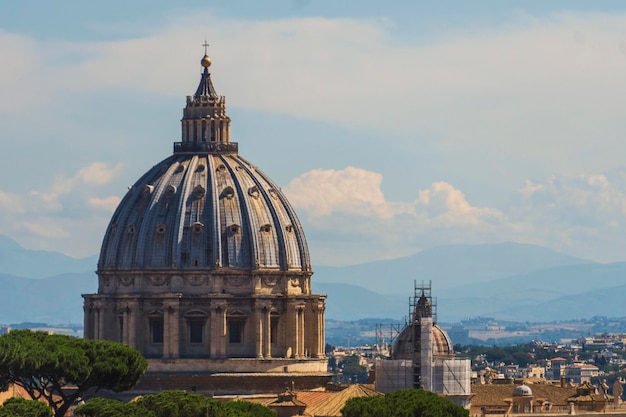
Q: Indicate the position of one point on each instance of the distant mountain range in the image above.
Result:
(15, 260)
(506, 281)
(447, 267)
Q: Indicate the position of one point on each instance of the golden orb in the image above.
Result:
(206, 61)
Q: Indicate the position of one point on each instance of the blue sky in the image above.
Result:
(391, 127)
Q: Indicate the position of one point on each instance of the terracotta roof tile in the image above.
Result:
(496, 394)
(333, 405)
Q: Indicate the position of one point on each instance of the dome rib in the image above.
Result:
(249, 220)
(213, 216)
(277, 235)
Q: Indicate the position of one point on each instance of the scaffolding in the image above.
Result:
(404, 366)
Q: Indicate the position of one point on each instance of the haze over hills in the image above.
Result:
(16, 260)
(447, 266)
(506, 281)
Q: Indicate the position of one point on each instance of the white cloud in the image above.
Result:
(447, 207)
(65, 216)
(350, 220)
(107, 204)
(538, 96)
(582, 215)
(351, 190)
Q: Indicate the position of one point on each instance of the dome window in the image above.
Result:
(180, 168)
(200, 168)
(234, 228)
(266, 228)
(254, 192)
(113, 228)
(198, 192)
(170, 190)
(160, 229)
(289, 228)
(196, 262)
(273, 193)
(221, 169)
(131, 228)
(147, 190)
(197, 227)
(228, 193)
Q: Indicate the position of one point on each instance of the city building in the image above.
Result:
(422, 356)
(204, 268)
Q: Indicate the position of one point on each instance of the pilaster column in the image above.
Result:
(100, 320)
(197, 129)
(174, 331)
(166, 333)
(124, 329)
(268, 331)
(320, 342)
(258, 333)
(299, 332)
(132, 324)
(218, 130)
(171, 331)
(218, 330)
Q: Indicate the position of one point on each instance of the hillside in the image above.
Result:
(16, 260)
(447, 267)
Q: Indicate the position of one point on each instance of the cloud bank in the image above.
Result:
(353, 222)
(537, 98)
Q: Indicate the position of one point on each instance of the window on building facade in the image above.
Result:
(156, 329)
(273, 328)
(196, 331)
(235, 330)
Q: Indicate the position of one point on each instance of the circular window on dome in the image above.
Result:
(198, 192)
(200, 168)
(160, 229)
(147, 190)
(273, 193)
(234, 228)
(131, 228)
(289, 228)
(170, 190)
(254, 192)
(266, 228)
(197, 227)
(228, 193)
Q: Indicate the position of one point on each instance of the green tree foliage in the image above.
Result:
(403, 403)
(47, 365)
(172, 404)
(181, 404)
(247, 409)
(508, 354)
(104, 407)
(20, 407)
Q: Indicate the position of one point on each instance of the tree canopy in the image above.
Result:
(403, 403)
(59, 369)
(20, 407)
(172, 404)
